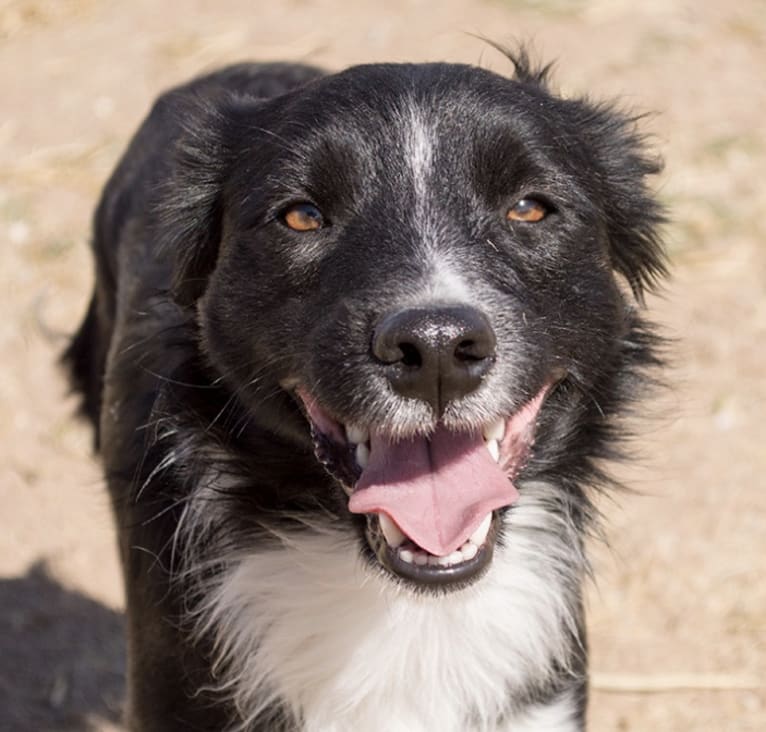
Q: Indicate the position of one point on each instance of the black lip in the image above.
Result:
(448, 578)
(337, 460)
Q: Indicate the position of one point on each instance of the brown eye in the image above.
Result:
(528, 210)
(303, 217)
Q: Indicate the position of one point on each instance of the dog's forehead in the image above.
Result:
(415, 104)
(436, 85)
(397, 126)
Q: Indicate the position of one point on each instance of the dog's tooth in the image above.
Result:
(480, 535)
(469, 550)
(494, 449)
(494, 431)
(421, 558)
(433, 561)
(406, 556)
(456, 557)
(393, 534)
(357, 434)
(362, 455)
(444, 561)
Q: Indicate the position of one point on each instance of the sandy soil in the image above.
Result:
(678, 615)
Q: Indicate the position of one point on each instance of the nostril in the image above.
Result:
(465, 351)
(410, 355)
(474, 350)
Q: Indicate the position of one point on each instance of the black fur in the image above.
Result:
(207, 309)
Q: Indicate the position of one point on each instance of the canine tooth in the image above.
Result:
(494, 431)
(433, 561)
(469, 550)
(494, 449)
(357, 434)
(362, 455)
(421, 558)
(394, 536)
(480, 535)
(406, 556)
(444, 561)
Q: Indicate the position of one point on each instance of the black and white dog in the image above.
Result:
(356, 348)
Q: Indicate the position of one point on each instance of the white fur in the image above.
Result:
(558, 716)
(443, 281)
(419, 140)
(445, 284)
(307, 624)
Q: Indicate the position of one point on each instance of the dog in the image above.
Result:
(358, 346)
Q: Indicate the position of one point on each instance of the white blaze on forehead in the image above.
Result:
(419, 143)
(443, 280)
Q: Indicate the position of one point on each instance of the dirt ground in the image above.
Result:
(678, 614)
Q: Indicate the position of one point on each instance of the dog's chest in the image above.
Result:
(306, 626)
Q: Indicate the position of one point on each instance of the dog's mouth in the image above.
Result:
(431, 502)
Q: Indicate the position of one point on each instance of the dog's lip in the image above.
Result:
(419, 567)
(319, 417)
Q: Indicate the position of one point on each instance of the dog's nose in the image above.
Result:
(435, 354)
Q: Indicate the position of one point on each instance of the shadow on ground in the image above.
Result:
(61, 657)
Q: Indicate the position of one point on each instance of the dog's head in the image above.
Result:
(418, 268)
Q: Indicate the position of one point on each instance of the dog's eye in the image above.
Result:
(528, 210)
(303, 217)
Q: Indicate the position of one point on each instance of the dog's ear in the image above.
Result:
(634, 217)
(189, 203)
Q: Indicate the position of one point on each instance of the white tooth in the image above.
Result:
(433, 561)
(469, 550)
(393, 534)
(456, 557)
(357, 434)
(406, 556)
(421, 558)
(494, 449)
(479, 536)
(494, 431)
(362, 455)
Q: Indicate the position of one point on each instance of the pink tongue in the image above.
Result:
(437, 490)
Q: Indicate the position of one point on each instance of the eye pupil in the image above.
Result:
(303, 217)
(528, 210)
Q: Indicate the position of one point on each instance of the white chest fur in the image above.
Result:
(308, 625)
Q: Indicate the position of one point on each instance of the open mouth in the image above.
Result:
(430, 502)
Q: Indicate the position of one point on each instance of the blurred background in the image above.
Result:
(677, 614)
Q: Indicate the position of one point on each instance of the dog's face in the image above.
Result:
(423, 259)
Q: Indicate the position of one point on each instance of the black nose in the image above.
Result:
(435, 354)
